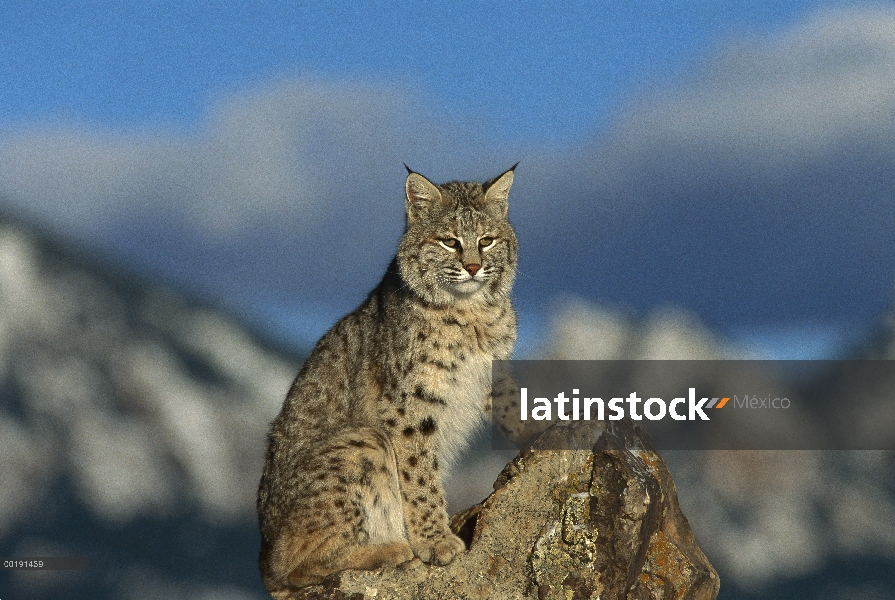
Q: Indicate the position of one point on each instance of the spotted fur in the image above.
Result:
(390, 396)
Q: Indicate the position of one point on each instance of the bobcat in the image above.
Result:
(391, 394)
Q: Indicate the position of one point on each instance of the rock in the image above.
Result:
(561, 524)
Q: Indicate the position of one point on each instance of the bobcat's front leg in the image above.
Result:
(425, 513)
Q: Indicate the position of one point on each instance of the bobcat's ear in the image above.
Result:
(422, 195)
(497, 191)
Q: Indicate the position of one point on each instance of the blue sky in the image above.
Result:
(531, 70)
(732, 159)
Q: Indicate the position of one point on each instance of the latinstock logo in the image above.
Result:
(588, 409)
(691, 404)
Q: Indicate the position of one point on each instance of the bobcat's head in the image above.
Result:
(458, 244)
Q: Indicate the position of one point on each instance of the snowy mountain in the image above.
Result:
(132, 431)
(133, 424)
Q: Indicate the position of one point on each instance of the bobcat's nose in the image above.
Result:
(473, 269)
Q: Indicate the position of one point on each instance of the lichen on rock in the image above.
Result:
(564, 525)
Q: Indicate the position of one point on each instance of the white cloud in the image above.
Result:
(797, 94)
(281, 151)
(78, 178)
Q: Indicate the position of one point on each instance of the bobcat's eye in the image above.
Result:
(451, 244)
(486, 242)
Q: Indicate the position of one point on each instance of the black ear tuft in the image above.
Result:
(409, 170)
(513, 168)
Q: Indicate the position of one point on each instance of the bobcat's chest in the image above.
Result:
(465, 390)
(452, 378)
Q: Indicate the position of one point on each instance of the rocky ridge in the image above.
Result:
(560, 525)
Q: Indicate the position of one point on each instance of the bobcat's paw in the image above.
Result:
(439, 550)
